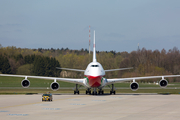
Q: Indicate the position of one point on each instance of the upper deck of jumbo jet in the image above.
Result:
(94, 69)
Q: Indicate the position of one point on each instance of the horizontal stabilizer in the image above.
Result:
(118, 69)
(70, 69)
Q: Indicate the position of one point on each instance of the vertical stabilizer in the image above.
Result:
(89, 40)
(94, 49)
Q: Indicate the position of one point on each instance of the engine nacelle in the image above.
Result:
(25, 83)
(134, 86)
(163, 83)
(54, 86)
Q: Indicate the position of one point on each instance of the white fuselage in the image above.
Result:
(94, 74)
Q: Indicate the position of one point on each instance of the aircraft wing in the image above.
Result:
(70, 69)
(117, 80)
(76, 81)
(118, 69)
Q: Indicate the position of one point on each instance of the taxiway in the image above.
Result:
(80, 107)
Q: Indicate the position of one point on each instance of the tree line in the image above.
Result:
(44, 61)
(29, 65)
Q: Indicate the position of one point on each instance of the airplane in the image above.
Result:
(94, 78)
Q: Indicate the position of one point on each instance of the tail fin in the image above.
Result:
(94, 49)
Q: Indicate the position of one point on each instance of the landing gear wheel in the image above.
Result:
(94, 93)
(112, 92)
(101, 92)
(76, 91)
(88, 92)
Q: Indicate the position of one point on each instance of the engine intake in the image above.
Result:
(25, 83)
(134, 86)
(54, 86)
(163, 83)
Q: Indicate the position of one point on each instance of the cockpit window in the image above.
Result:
(94, 65)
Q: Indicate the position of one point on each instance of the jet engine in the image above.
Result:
(25, 83)
(163, 83)
(54, 86)
(134, 86)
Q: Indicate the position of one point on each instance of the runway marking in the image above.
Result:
(99, 100)
(116, 97)
(76, 104)
(74, 99)
(4, 111)
(71, 98)
(40, 102)
(18, 114)
(51, 108)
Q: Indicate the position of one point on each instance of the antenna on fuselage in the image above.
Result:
(94, 49)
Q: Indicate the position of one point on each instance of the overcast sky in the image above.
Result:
(119, 24)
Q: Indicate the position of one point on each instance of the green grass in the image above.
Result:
(12, 82)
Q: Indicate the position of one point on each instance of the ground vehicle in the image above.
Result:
(47, 97)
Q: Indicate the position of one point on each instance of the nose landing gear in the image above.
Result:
(94, 91)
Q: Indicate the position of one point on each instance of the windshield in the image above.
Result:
(46, 94)
(94, 66)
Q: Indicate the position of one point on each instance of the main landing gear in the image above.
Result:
(76, 89)
(94, 92)
(88, 91)
(101, 92)
(112, 90)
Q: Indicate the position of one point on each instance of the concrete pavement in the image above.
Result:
(80, 107)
